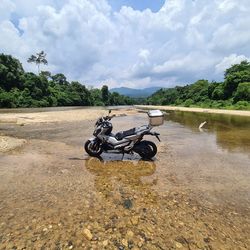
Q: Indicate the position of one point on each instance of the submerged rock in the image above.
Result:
(125, 242)
(127, 204)
(134, 220)
(88, 235)
(105, 243)
(130, 234)
(178, 245)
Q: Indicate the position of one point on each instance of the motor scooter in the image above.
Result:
(128, 141)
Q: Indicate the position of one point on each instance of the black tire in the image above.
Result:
(93, 148)
(147, 150)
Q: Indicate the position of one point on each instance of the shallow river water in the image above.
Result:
(193, 195)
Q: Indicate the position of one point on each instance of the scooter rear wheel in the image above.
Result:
(93, 148)
(147, 149)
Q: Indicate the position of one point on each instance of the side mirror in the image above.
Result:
(109, 111)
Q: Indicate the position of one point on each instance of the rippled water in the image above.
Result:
(194, 195)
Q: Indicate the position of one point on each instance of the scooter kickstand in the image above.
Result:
(122, 156)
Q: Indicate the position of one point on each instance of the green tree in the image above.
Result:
(170, 96)
(243, 66)
(81, 94)
(6, 99)
(218, 93)
(105, 95)
(243, 92)
(198, 91)
(39, 58)
(211, 87)
(37, 85)
(46, 74)
(11, 73)
(188, 102)
(235, 75)
(116, 99)
(96, 97)
(60, 79)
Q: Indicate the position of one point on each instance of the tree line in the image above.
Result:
(25, 89)
(232, 93)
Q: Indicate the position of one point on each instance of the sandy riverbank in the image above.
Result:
(9, 143)
(199, 110)
(58, 116)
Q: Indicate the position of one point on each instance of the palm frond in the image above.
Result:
(32, 58)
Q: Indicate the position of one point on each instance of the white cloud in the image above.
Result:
(11, 42)
(232, 36)
(229, 61)
(137, 83)
(6, 8)
(144, 54)
(230, 5)
(88, 41)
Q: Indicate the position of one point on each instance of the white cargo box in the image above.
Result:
(156, 117)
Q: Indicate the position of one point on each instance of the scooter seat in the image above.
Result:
(120, 135)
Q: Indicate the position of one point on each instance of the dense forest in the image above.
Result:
(25, 89)
(232, 93)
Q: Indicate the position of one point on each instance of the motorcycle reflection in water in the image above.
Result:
(119, 181)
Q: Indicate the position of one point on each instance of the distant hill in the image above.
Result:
(135, 92)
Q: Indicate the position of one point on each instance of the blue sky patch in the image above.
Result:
(154, 5)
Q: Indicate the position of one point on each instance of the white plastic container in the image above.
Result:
(156, 117)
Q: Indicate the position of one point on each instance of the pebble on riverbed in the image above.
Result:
(105, 243)
(134, 220)
(88, 235)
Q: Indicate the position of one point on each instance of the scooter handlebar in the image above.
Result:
(108, 118)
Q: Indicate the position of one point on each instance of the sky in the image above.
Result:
(153, 5)
(131, 43)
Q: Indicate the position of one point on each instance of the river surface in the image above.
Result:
(193, 195)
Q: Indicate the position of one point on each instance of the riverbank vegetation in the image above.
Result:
(25, 89)
(232, 93)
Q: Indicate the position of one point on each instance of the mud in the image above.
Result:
(194, 195)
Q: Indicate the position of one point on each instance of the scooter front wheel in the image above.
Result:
(93, 148)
